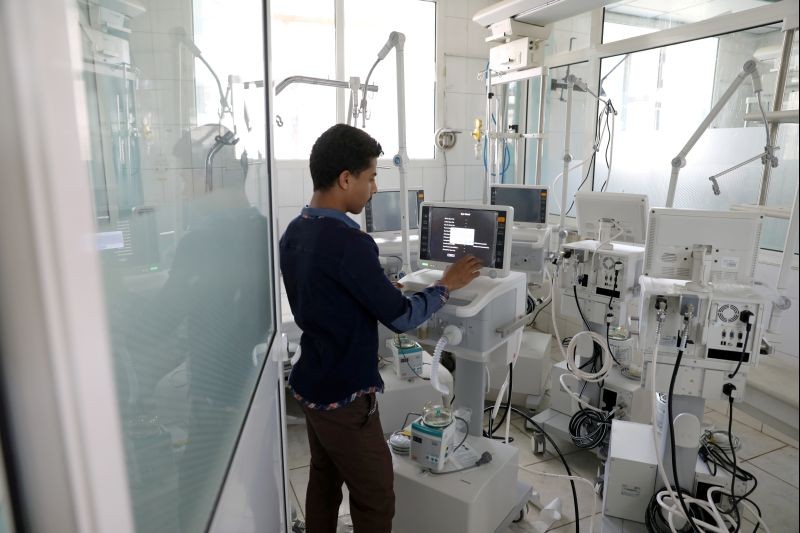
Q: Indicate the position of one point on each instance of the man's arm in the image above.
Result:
(362, 273)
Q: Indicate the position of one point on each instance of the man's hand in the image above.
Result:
(460, 273)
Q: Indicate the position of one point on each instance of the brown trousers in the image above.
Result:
(347, 446)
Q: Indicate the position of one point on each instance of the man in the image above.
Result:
(338, 293)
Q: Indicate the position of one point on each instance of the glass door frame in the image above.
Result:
(56, 373)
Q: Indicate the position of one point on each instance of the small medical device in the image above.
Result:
(407, 357)
(612, 216)
(433, 437)
(450, 231)
(702, 246)
(382, 212)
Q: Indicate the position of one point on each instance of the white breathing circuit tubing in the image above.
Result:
(575, 478)
(569, 353)
(674, 507)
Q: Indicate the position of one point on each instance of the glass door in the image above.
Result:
(179, 171)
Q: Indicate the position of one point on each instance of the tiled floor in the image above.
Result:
(765, 453)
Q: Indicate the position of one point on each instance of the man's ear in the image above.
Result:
(344, 180)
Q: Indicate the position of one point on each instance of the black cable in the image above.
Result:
(575, 293)
(415, 372)
(466, 433)
(672, 442)
(563, 461)
(597, 130)
(405, 421)
(490, 433)
(744, 350)
(733, 453)
(588, 429)
(597, 350)
(539, 310)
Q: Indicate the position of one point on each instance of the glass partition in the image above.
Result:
(179, 165)
(663, 95)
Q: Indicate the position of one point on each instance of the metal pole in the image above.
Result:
(567, 154)
(777, 104)
(544, 79)
(402, 155)
(784, 278)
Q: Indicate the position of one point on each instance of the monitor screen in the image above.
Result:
(626, 212)
(730, 240)
(451, 231)
(529, 202)
(382, 212)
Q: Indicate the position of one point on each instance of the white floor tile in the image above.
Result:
(754, 443)
(582, 464)
(782, 463)
(296, 503)
(299, 481)
(526, 526)
(777, 500)
(780, 436)
(297, 442)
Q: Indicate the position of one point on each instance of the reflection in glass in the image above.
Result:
(178, 158)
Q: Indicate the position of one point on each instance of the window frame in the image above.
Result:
(339, 25)
(785, 13)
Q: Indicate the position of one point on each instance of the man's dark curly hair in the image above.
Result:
(341, 148)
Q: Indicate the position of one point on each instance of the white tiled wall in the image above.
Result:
(461, 55)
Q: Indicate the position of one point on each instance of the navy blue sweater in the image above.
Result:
(338, 292)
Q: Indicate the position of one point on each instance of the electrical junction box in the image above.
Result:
(515, 55)
(630, 472)
(407, 357)
(431, 446)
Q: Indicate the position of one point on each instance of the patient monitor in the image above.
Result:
(381, 219)
(450, 231)
(530, 233)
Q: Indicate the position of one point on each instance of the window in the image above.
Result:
(783, 180)
(634, 17)
(663, 95)
(307, 110)
(581, 135)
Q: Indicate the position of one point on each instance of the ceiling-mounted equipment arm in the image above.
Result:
(318, 81)
(750, 69)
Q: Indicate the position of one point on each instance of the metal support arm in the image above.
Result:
(749, 68)
(317, 81)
